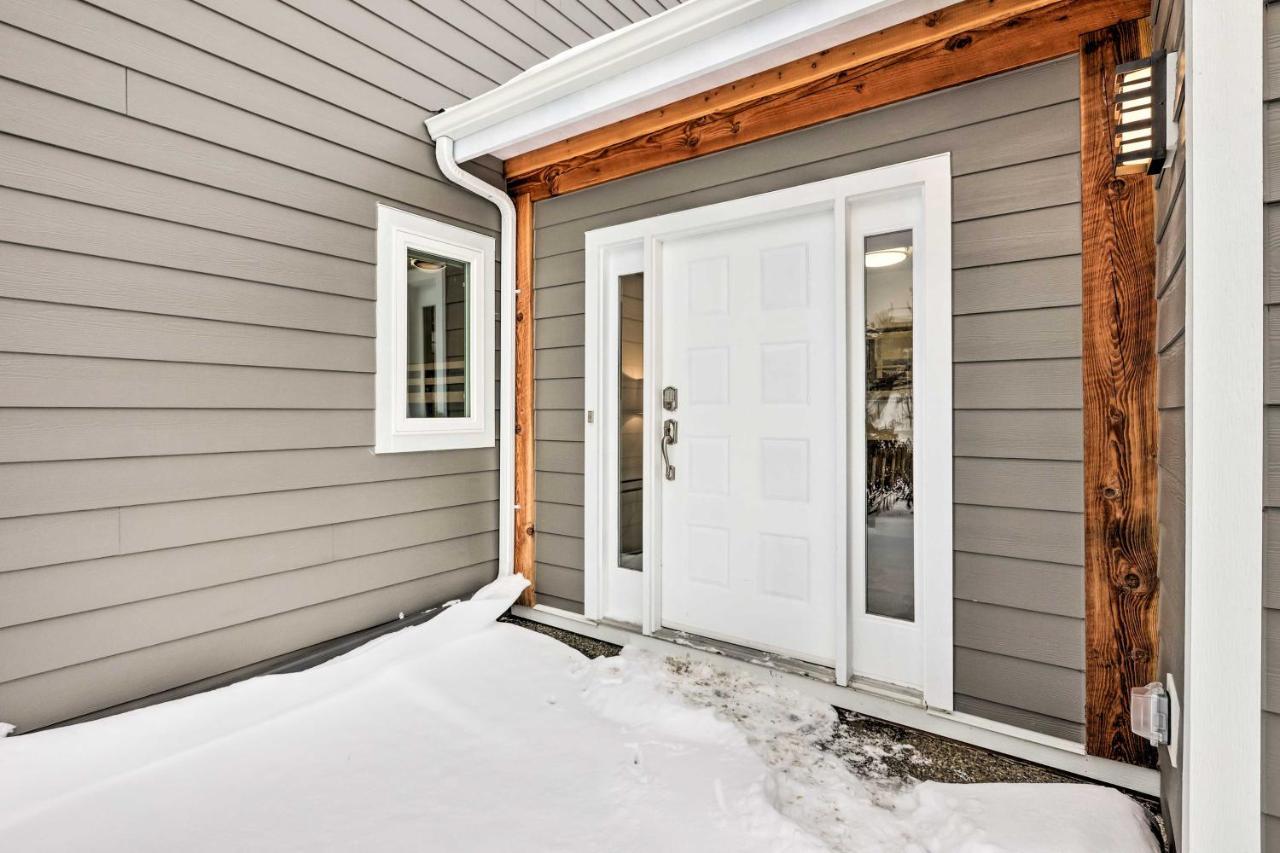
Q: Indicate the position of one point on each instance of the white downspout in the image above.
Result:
(506, 346)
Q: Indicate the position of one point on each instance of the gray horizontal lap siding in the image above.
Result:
(1271, 515)
(1014, 142)
(188, 198)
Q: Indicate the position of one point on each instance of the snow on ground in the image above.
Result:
(465, 735)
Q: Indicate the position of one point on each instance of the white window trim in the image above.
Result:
(934, 445)
(399, 231)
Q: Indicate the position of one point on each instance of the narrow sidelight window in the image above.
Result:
(435, 335)
(631, 421)
(890, 427)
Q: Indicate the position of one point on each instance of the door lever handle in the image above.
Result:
(670, 435)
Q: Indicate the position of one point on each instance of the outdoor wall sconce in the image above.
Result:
(1144, 128)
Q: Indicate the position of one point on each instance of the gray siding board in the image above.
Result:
(52, 223)
(559, 363)
(187, 112)
(1040, 384)
(1042, 183)
(280, 44)
(1039, 283)
(38, 168)
(94, 634)
(52, 328)
(1271, 764)
(1024, 584)
(68, 588)
(187, 215)
(1019, 633)
(55, 120)
(56, 381)
(1045, 232)
(560, 519)
(71, 691)
(513, 17)
(1017, 335)
(37, 540)
(1020, 718)
(1038, 687)
(167, 525)
(565, 457)
(1029, 534)
(560, 488)
(35, 435)
(560, 301)
(1045, 434)
(423, 19)
(231, 63)
(572, 606)
(559, 583)
(1020, 483)
(1014, 143)
(57, 68)
(45, 275)
(45, 487)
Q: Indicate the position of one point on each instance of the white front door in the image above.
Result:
(749, 326)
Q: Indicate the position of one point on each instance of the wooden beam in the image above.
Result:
(1120, 421)
(955, 45)
(525, 512)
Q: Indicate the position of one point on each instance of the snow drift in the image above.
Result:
(463, 734)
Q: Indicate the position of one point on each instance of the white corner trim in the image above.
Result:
(986, 734)
(692, 47)
(1222, 701)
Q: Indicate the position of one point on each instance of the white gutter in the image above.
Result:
(693, 47)
(506, 346)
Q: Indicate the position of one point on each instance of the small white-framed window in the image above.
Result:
(435, 335)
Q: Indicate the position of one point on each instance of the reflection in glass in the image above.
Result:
(890, 490)
(436, 369)
(631, 422)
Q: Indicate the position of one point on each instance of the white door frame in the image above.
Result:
(931, 177)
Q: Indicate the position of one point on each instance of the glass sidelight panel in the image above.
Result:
(889, 426)
(436, 368)
(631, 421)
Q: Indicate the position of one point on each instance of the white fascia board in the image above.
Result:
(695, 46)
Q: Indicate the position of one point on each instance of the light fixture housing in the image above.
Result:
(878, 258)
(426, 265)
(1143, 128)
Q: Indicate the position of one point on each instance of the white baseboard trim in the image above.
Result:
(1057, 753)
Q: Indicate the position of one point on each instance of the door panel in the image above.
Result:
(748, 338)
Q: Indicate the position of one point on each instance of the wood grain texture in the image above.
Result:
(1120, 422)
(949, 47)
(524, 558)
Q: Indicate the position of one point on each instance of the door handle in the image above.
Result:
(670, 435)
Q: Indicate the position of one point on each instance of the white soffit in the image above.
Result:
(695, 46)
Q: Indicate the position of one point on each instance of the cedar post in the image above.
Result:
(1120, 421)
(524, 497)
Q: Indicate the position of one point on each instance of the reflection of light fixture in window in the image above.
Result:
(1143, 126)
(886, 257)
(426, 266)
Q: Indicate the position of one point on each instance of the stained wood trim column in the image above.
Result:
(524, 476)
(948, 47)
(1120, 421)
